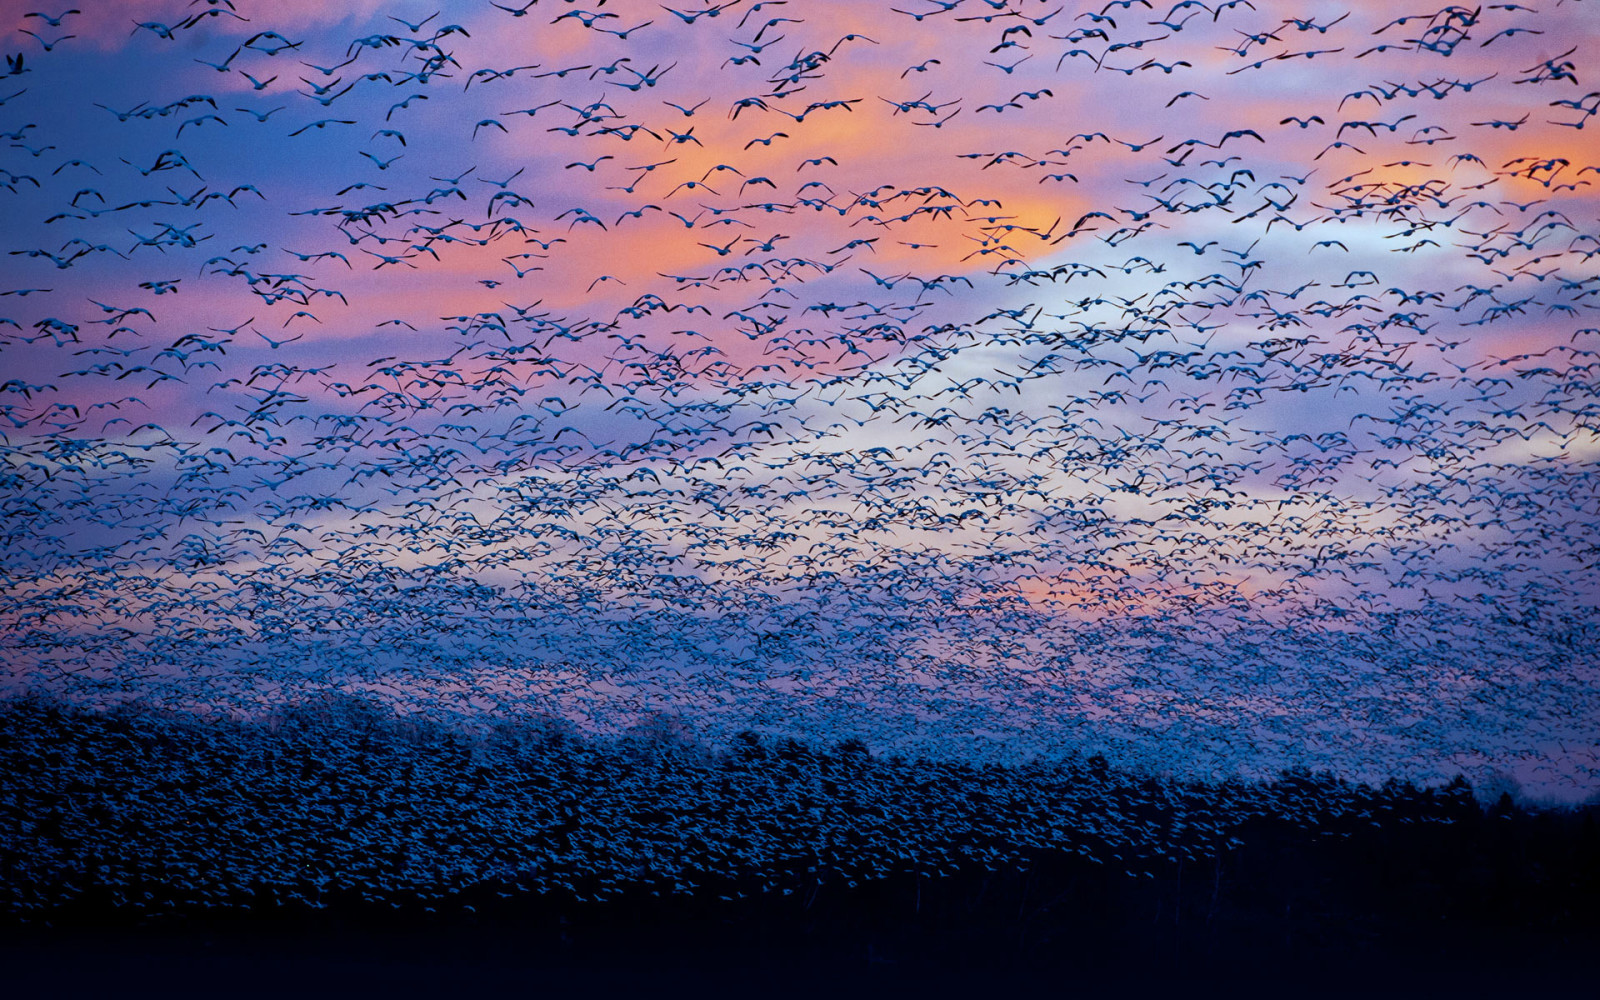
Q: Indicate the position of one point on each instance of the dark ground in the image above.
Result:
(735, 956)
(1283, 920)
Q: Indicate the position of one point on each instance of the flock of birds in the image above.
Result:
(1207, 384)
(332, 804)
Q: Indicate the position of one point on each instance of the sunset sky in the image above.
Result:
(1208, 385)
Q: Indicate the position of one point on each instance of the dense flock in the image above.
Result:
(335, 804)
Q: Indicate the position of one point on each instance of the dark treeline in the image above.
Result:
(336, 814)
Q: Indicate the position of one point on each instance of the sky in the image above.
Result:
(1213, 386)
